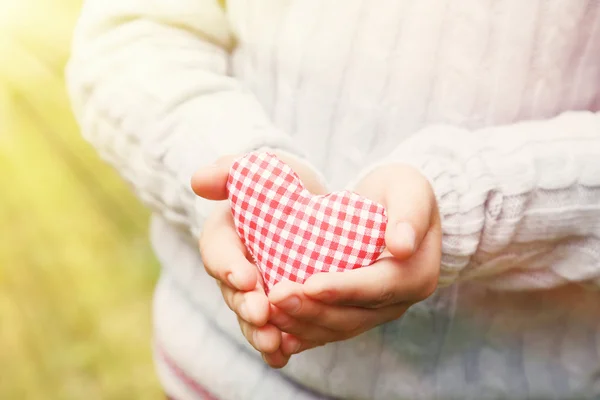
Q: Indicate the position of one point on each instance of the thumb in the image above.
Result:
(410, 204)
(210, 182)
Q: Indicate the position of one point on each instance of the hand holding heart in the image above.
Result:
(227, 260)
(334, 305)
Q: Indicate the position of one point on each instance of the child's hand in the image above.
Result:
(336, 306)
(226, 259)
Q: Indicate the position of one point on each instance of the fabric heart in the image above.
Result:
(291, 233)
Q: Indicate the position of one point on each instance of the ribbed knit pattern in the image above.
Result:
(496, 102)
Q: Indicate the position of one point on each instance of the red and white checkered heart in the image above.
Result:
(292, 234)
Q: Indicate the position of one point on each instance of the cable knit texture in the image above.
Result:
(496, 103)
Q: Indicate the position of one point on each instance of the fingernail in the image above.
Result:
(406, 235)
(291, 304)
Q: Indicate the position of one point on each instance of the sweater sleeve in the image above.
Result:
(150, 89)
(520, 204)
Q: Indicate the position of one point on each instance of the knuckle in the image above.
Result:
(385, 296)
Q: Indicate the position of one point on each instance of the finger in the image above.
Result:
(409, 214)
(408, 200)
(297, 307)
(304, 330)
(210, 182)
(388, 281)
(306, 335)
(290, 298)
(276, 359)
(224, 255)
(292, 345)
(253, 307)
(265, 339)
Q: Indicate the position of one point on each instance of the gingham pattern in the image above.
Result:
(290, 233)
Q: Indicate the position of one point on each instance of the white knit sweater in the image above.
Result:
(497, 104)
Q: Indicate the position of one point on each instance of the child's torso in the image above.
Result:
(352, 79)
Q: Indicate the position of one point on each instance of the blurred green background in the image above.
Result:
(76, 271)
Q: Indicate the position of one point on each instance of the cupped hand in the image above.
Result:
(336, 306)
(227, 260)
